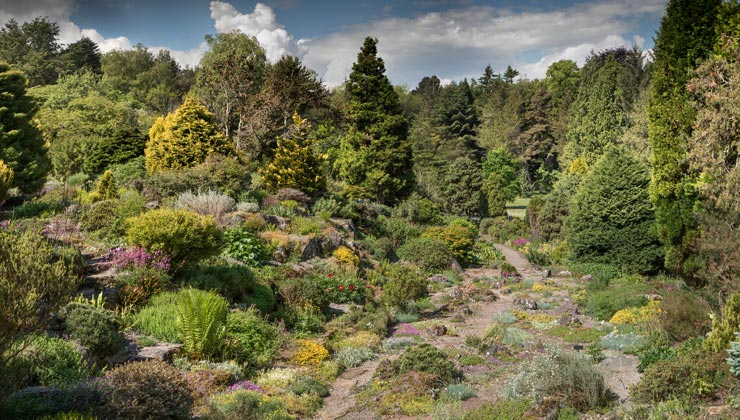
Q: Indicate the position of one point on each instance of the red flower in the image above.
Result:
(330, 275)
(340, 287)
(351, 287)
(368, 286)
(328, 289)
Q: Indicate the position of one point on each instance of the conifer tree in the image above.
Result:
(6, 181)
(107, 188)
(22, 147)
(295, 164)
(375, 154)
(184, 138)
(686, 35)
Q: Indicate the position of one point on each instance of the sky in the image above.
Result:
(452, 39)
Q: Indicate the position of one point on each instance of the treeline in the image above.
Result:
(629, 161)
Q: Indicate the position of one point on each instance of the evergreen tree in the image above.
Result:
(500, 162)
(184, 138)
(611, 217)
(536, 146)
(80, 55)
(33, 48)
(107, 188)
(6, 181)
(462, 188)
(22, 147)
(494, 194)
(556, 207)
(375, 154)
(686, 35)
(457, 119)
(295, 165)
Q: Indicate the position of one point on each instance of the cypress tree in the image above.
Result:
(686, 35)
(375, 154)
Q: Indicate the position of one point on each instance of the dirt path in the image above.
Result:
(341, 400)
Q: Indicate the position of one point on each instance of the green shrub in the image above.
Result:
(201, 321)
(182, 235)
(96, 329)
(261, 298)
(431, 254)
(734, 356)
(34, 403)
(231, 281)
(137, 284)
(343, 287)
(427, 358)
(303, 293)
(694, 376)
(146, 390)
(51, 362)
(621, 293)
(159, 317)
(570, 376)
(354, 356)
(246, 405)
(460, 240)
(611, 217)
(161, 185)
(6, 181)
(405, 283)
(684, 315)
(243, 245)
(130, 171)
(419, 209)
(326, 207)
(306, 226)
(557, 206)
(309, 385)
(107, 188)
(500, 410)
(250, 338)
(458, 392)
(723, 330)
(503, 228)
(399, 230)
(210, 203)
(117, 149)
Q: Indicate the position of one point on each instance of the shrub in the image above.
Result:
(405, 283)
(694, 376)
(201, 321)
(34, 402)
(611, 217)
(570, 376)
(502, 229)
(261, 298)
(684, 315)
(343, 288)
(107, 188)
(34, 284)
(500, 410)
(345, 256)
(429, 253)
(228, 174)
(96, 329)
(246, 405)
(354, 356)
(138, 284)
(146, 390)
(734, 356)
(159, 317)
(642, 315)
(161, 185)
(723, 330)
(310, 353)
(6, 181)
(621, 293)
(556, 207)
(243, 245)
(249, 338)
(182, 235)
(254, 223)
(231, 281)
(303, 293)
(458, 392)
(210, 203)
(54, 362)
(306, 226)
(127, 173)
(427, 358)
(326, 207)
(460, 240)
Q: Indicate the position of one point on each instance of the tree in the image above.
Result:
(557, 206)
(510, 74)
(611, 216)
(229, 76)
(462, 188)
(107, 188)
(494, 195)
(184, 138)
(32, 48)
(686, 35)
(457, 119)
(536, 144)
(6, 181)
(500, 162)
(81, 55)
(295, 165)
(375, 154)
(21, 144)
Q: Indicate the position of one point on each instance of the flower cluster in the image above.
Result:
(246, 386)
(5, 224)
(406, 329)
(137, 257)
(519, 242)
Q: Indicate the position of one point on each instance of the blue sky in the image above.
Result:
(452, 39)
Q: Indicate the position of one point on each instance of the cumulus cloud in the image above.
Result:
(459, 43)
(261, 24)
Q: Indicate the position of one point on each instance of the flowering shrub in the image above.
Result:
(310, 353)
(638, 315)
(346, 256)
(508, 270)
(406, 329)
(520, 242)
(344, 288)
(246, 386)
(135, 257)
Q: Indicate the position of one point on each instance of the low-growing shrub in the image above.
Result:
(53, 362)
(244, 246)
(182, 235)
(138, 284)
(723, 330)
(459, 239)
(684, 315)
(429, 253)
(250, 338)
(210, 203)
(303, 292)
(159, 317)
(458, 392)
(96, 329)
(246, 405)
(405, 283)
(500, 410)
(310, 353)
(343, 288)
(201, 318)
(620, 293)
(261, 298)
(429, 359)
(345, 256)
(231, 281)
(34, 403)
(570, 376)
(503, 228)
(146, 390)
(354, 356)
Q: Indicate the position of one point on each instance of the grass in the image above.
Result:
(518, 207)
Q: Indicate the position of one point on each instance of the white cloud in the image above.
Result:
(459, 43)
(261, 24)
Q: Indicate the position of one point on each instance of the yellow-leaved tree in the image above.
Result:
(185, 138)
(295, 165)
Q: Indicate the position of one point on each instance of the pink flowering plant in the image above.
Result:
(406, 329)
(246, 386)
(142, 274)
(137, 257)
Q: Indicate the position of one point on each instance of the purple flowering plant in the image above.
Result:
(137, 257)
(246, 386)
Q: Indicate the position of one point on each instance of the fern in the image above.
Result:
(201, 322)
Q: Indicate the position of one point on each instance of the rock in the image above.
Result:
(456, 293)
(280, 254)
(498, 349)
(587, 278)
(546, 274)
(330, 241)
(439, 330)
(506, 291)
(437, 278)
(152, 205)
(465, 310)
(312, 249)
(565, 273)
(278, 221)
(162, 351)
(345, 225)
(456, 266)
(569, 320)
(497, 285)
(653, 296)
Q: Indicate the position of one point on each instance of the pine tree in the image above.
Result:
(21, 146)
(686, 35)
(107, 188)
(295, 165)
(611, 217)
(184, 138)
(462, 188)
(6, 181)
(375, 154)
